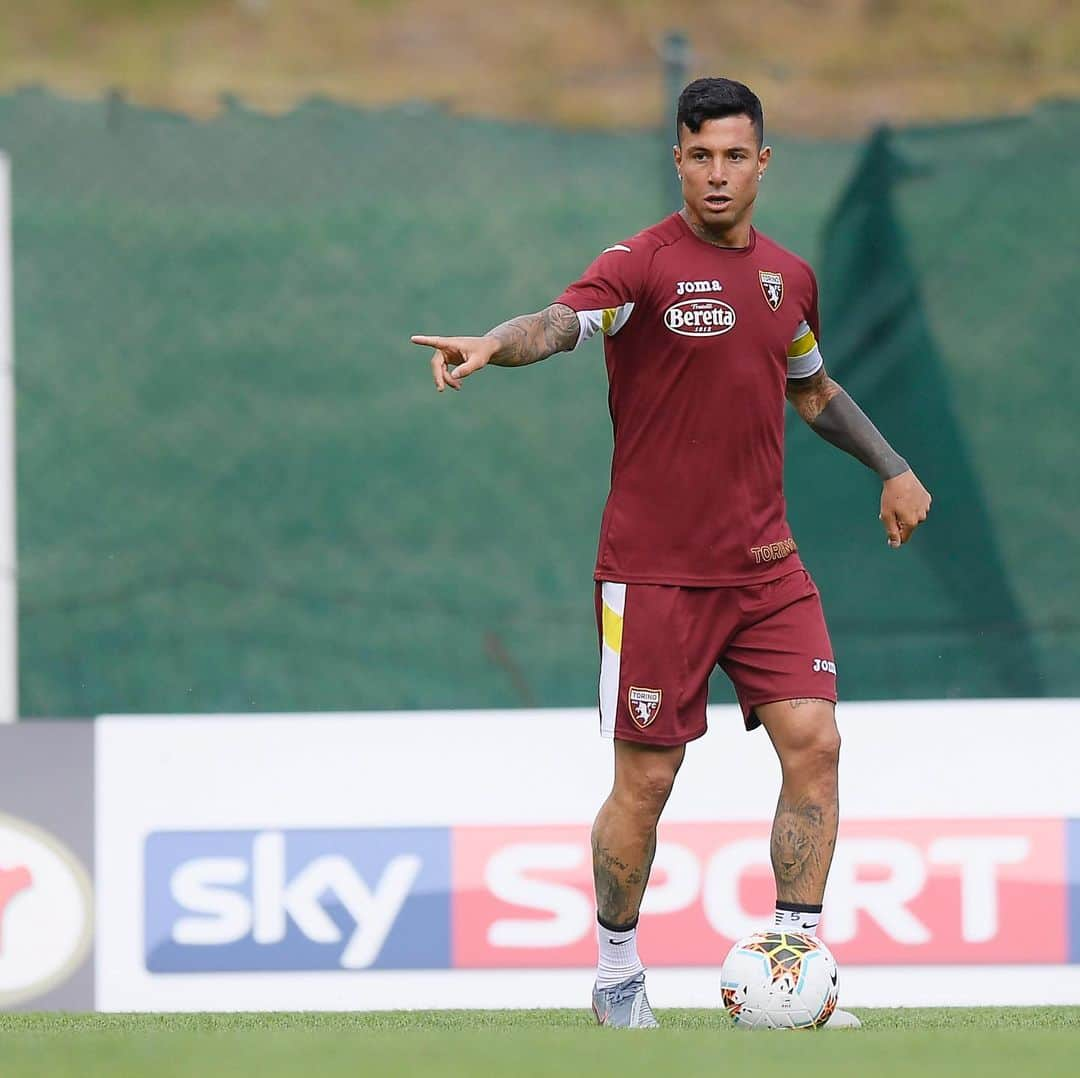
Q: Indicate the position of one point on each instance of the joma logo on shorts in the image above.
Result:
(824, 666)
(699, 317)
(685, 288)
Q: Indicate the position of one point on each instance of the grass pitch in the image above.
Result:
(928, 1042)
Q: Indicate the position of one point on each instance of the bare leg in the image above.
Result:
(805, 737)
(624, 834)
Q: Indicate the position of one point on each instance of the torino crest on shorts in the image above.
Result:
(644, 705)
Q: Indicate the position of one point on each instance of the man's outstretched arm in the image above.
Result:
(831, 413)
(515, 343)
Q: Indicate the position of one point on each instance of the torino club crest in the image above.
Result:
(644, 705)
(772, 284)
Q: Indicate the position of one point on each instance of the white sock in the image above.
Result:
(795, 917)
(618, 955)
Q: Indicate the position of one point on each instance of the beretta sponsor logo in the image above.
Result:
(46, 919)
(700, 317)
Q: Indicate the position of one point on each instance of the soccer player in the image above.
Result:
(709, 325)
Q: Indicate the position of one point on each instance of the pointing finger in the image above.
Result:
(430, 342)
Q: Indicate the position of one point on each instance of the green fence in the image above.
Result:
(238, 490)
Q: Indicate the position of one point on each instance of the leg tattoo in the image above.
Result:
(620, 878)
(803, 732)
(803, 837)
(624, 835)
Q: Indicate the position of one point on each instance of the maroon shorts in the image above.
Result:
(659, 644)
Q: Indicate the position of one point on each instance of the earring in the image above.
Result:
(679, 174)
(761, 175)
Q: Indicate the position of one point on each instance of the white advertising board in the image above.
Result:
(373, 861)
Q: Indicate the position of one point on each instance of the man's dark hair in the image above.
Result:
(712, 99)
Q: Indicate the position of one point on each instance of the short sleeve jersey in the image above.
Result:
(700, 341)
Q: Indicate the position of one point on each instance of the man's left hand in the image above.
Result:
(905, 502)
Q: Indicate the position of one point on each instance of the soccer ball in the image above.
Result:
(779, 980)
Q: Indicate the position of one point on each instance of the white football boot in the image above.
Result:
(842, 1020)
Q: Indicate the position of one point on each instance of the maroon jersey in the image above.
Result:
(700, 341)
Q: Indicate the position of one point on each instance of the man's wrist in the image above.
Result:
(497, 345)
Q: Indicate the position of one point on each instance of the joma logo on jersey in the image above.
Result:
(824, 666)
(644, 705)
(699, 317)
(685, 288)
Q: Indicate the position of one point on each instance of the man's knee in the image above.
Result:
(644, 776)
(808, 744)
(816, 753)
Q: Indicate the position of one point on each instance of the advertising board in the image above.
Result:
(441, 860)
(46, 866)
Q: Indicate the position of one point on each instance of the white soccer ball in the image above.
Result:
(779, 980)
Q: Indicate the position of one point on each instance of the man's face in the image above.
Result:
(720, 166)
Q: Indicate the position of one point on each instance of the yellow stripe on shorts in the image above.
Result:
(612, 629)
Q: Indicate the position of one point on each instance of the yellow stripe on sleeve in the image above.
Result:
(805, 344)
(613, 624)
(608, 319)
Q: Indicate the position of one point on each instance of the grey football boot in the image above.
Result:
(624, 1005)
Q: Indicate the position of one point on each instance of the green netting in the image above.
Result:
(238, 491)
(946, 282)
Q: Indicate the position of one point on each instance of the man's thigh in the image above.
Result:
(782, 650)
(657, 652)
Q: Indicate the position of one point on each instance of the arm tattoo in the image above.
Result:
(532, 337)
(809, 396)
(833, 415)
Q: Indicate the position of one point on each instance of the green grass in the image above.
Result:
(982, 1041)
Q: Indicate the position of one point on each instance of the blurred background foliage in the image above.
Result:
(821, 66)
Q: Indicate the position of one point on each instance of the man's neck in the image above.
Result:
(738, 235)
